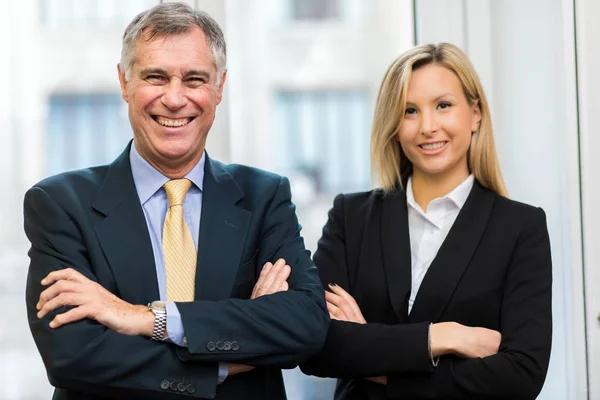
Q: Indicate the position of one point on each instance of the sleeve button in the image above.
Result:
(190, 388)
(210, 346)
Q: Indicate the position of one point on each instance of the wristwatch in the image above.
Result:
(159, 308)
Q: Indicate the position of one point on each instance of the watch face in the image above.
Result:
(158, 305)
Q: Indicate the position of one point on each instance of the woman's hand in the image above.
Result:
(342, 306)
(463, 341)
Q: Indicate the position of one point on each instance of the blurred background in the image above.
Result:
(302, 81)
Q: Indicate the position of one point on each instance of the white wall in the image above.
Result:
(524, 52)
(588, 34)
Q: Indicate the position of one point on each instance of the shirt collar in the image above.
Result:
(458, 195)
(148, 180)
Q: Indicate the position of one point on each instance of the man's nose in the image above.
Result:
(174, 95)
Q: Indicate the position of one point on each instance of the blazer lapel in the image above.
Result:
(223, 231)
(123, 234)
(453, 257)
(396, 251)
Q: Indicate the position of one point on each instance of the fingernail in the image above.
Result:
(52, 324)
(37, 306)
(43, 281)
(333, 284)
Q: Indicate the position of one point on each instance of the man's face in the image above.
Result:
(172, 95)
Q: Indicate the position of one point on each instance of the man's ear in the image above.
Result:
(123, 82)
(220, 88)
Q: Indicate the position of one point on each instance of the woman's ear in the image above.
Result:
(476, 117)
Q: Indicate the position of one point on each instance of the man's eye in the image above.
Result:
(155, 78)
(196, 80)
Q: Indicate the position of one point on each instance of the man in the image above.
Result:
(145, 278)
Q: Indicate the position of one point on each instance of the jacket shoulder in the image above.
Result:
(82, 184)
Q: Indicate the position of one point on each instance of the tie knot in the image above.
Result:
(176, 190)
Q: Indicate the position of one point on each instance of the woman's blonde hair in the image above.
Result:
(390, 166)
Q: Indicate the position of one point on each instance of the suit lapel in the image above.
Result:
(223, 231)
(396, 251)
(453, 257)
(123, 234)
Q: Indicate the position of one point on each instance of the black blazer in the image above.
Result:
(493, 270)
(92, 220)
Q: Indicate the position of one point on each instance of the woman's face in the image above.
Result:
(436, 130)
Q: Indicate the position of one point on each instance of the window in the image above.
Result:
(84, 130)
(96, 12)
(325, 136)
(323, 10)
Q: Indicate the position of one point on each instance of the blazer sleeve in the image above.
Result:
(354, 350)
(85, 356)
(279, 330)
(519, 368)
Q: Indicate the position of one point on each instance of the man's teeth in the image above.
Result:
(173, 122)
(433, 146)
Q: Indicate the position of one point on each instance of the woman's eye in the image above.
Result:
(410, 111)
(443, 105)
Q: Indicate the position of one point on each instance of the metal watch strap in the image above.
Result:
(160, 325)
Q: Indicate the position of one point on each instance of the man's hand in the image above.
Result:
(342, 306)
(235, 369)
(272, 279)
(382, 380)
(68, 287)
(463, 341)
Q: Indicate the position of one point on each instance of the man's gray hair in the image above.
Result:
(173, 19)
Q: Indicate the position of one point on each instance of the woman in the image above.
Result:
(439, 285)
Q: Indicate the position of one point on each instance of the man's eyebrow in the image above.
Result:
(149, 71)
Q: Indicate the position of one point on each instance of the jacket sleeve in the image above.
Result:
(279, 330)
(353, 350)
(519, 368)
(86, 356)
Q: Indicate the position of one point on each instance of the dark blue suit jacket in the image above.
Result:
(92, 220)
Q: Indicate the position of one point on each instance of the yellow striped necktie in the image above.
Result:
(178, 245)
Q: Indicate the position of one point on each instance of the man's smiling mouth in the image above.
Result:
(171, 123)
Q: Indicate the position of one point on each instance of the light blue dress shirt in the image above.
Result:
(149, 186)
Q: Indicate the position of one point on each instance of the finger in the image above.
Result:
(350, 310)
(259, 283)
(280, 279)
(271, 275)
(352, 304)
(339, 291)
(336, 312)
(68, 274)
(284, 287)
(73, 315)
(334, 298)
(59, 287)
(63, 299)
